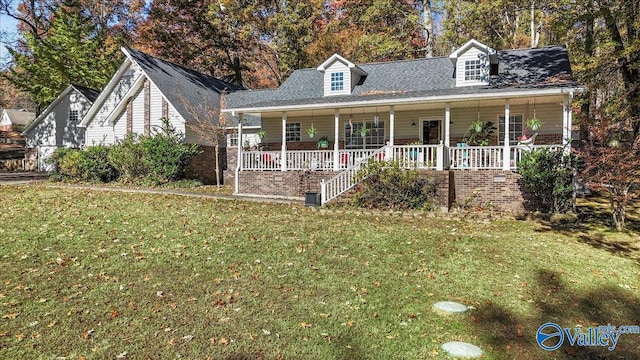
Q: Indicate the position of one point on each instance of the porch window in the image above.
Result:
(374, 138)
(337, 81)
(74, 116)
(515, 128)
(472, 70)
(292, 132)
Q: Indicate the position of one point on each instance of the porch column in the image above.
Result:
(447, 125)
(239, 159)
(506, 157)
(336, 136)
(283, 152)
(392, 124)
(567, 118)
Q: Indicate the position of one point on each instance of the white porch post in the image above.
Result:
(236, 181)
(283, 152)
(506, 157)
(336, 136)
(567, 115)
(392, 124)
(447, 125)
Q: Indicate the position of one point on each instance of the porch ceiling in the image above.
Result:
(419, 106)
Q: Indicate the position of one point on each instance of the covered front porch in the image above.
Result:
(427, 135)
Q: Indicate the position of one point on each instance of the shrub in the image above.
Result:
(385, 185)
(67, 163)
(126, 157)
(166, 156)
(547, 179)
(96, 166)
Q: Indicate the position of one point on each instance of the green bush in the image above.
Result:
(385, 185)
(166, 156)
(96, 166)
(547, 180)
(127, 158)
(150, 160)
(67, 163)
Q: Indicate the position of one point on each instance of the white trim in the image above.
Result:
(104, 95)
(471, 43)
(51, 106)
(335, 57)
(409, 101)
(447, 125)
(122, 103)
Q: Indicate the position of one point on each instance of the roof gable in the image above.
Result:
(89, 94)
(473, 43)
(334, 58)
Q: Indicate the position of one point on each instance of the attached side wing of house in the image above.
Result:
(146, 89)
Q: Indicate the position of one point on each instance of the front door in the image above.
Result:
(430, 132)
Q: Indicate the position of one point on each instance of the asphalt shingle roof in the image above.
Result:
(90, 94)
(523, 68)
(187, 90)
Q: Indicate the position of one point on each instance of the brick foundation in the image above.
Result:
(278, 183)
(203, 166)
(496, 188)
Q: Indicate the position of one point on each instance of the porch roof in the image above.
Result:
(523, 72)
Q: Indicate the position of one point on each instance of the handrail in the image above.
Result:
(332, 188)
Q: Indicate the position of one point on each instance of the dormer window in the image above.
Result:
(337, 81)
(472, 70)
(472, 64)
(340, 75)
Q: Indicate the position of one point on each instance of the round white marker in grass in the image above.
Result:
(461, 349)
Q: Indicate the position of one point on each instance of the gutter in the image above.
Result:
(409, 101)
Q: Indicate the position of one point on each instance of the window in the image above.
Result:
(337, 81)
(292, 132)
(74, 116)
(472, 70)
(373, 139)
(515, 128)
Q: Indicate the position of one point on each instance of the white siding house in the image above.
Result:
(57, 126)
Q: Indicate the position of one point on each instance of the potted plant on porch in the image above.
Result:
(534, 123)
(311, 132)
(479, 133)
(413, 152)
(323, 142)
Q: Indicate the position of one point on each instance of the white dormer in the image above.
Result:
(474, 62)
(340, 75)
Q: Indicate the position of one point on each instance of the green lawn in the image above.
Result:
(105, 275)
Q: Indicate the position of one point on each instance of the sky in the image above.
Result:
(8, 33)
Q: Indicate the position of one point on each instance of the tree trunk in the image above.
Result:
(217, 154)
(427, 31)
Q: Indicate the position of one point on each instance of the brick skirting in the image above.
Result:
(279, 183)
(496, 189)
(203, 166)
(488, 188)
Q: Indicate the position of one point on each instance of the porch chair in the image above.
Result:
(527, 143)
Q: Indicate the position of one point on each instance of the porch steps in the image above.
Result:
(345, 180)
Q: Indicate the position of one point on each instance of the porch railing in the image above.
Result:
(435, 157)
(476, 157)
(416, 156)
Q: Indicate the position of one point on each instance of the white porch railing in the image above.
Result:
(517, 151)
(416, 156)
(260, 160)
(310, 159)
(476, 157)
(344, 181)
(436, 157)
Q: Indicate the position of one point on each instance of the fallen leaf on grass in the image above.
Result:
(21, 336)
(305, 325)
(10, 316)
